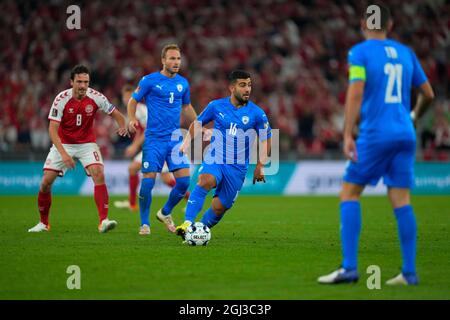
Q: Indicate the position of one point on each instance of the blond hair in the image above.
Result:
(168, 47)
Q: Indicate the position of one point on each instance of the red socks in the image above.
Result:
(44, 203)
(101, 200)
(134, 183)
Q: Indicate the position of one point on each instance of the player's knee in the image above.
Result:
(45, 186)
(134, 168)
(98, 176)
(206, 182)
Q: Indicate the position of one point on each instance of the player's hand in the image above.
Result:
(68, 161)
(123, 132)
(258, 174)
(350, 149)
(185, 146)
(132, 126)
(130, 151)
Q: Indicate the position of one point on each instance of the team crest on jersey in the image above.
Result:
(70, 110)
(245, 119)
(180, 87)
(89, 108)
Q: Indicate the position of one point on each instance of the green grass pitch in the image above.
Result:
(265, 248)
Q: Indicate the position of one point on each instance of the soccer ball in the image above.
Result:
(197, 234)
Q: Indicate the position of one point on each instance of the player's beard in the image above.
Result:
(241, 99)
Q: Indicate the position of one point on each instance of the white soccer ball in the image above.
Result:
(197, 234)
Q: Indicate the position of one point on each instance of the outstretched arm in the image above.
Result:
(120, 119)
(131, 110)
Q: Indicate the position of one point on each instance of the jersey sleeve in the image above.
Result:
(357, 67)
(57, 109)
(418, 77)
(263, 127)
(142, 89)
(186, 99)
(207, 114)
(101, 101)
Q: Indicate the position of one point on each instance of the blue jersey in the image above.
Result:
(235, 130)
(389, 70)
(164, 98)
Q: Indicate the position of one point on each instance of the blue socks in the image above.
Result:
(210, 219)
(145, 199)
(350, 230)
(407, 230)
(195, 203)
(177, 193)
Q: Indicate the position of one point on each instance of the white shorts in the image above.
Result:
(87, 153)
(138, 158)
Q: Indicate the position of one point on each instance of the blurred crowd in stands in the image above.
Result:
(295, 50)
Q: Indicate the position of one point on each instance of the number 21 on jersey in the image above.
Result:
(394, 74)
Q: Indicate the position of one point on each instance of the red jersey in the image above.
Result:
(76, 117)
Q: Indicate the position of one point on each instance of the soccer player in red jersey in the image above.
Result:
(71, 132)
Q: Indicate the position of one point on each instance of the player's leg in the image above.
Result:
(133, 171)
(399, 180)
(53, 167)
(350, 222)
(168, 179)
(207, 180)
(133, 183)
(214, 214)
(225, 196)
(101, 197)
(91, 158)
(45, 201)
(153, 155)
(182, 178)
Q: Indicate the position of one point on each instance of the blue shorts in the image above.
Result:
(392, 160)
(229, 181)
(156, 152)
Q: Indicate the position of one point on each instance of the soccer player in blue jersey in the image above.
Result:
(237, 123)
(382, 74)
(166, 95)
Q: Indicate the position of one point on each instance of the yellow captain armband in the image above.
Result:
(357, 73)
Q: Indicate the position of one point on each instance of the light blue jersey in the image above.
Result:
(236, 128)
(386, 143)
(164, 98)
(389, 70)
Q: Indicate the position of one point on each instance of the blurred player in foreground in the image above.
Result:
(167, 95)
(135, 150)
(234, 118)
(71, 132)
(382, 74)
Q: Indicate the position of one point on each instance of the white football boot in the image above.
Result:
(167, 220)
(403, 280)
(144, 230)
(40, 227)
(106, 225)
